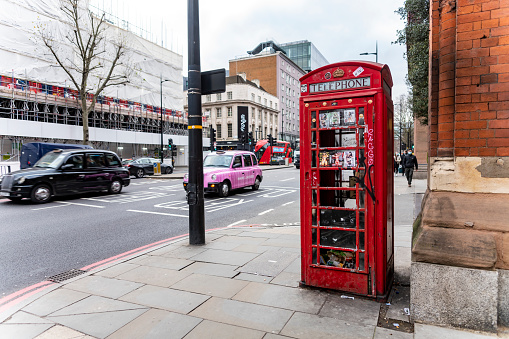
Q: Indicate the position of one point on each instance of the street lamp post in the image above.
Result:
(376, 52)
(161, 108)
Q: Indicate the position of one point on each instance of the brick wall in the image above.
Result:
(469, 78)
(262, 68)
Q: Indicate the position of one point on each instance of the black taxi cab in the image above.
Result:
(64, 172)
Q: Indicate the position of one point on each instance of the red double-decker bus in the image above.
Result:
(264, 152)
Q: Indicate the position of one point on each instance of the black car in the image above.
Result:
(63, 172)
(142, 166)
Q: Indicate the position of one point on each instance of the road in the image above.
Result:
(39, 241)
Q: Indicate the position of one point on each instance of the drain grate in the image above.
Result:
(66, 275)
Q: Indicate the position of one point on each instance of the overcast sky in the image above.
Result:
(340, 29)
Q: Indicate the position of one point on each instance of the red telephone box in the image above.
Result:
(346, 176)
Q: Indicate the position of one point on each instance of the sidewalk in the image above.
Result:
(244, 283)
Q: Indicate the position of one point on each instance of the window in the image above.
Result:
(282, 87)
(230, 131)
(95, 160)
(293, 92)
(265, 102)
(255, 161)
(260, 99)
(218, 131)
(218, 112)
(247, 160)
(252, 96)
(209, 98)
(230, 111)
(282, 74)
(113, 160)
(218, 96)
(259, 114)
(237, 162)
(229, 95)
(270, 104)
(76, 161)
(275, 105)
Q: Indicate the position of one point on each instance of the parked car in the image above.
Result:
(224, 171)
(62, 172)
(143, 166)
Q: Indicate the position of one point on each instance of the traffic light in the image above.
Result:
(250, 138)
(170, 144)
(212, 138)
(242, 139)
(271, 140)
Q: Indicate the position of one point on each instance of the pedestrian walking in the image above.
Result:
(402, 163)
(397, 162)
(409, 162)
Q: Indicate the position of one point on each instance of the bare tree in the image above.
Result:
(93, 62)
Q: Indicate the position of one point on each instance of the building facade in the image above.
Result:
(305, 54)
(220, 110)
(279, 76)
(38, 103)
(460, 248)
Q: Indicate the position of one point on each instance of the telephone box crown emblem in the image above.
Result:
(338, 73)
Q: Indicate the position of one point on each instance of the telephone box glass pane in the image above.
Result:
(336, 258)
(361, 116)
(313, 119)
(313, 236)
(361, 261)
(361, 220)
(337, 218)
(361, 137)
(314, 198)
(314, 259)
(313, 159)
(361, 240)
(313, 217)
(337, 238)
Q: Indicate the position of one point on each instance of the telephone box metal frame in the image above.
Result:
(346, 178)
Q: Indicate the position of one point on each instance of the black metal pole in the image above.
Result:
(195, 186)
(162, 158)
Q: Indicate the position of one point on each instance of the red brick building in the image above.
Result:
(460, 254)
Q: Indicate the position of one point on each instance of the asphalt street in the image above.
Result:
(39, 241)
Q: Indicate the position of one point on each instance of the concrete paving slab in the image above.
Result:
(270, 263)
(259, 234)
(254, 277)
(100, 324)
(210, 329)
(166, 299)
(255, 248)
(243, 240)
(281, 243)
(22, 331)
(218, 270)
(284, 230)
(230, 231)
(26, 318)
(385, 333)
(305, 326)
(54, 301)
(224, 257)
(210, 285)
(402, 262)
(290, 298)
(154, 276)
(157, 324)
(165, 249)
(220, 245)
(287, 279)
(62, 332)
(116, 270)
(183, 251)
(422, 331)
(106, 287)
(400, 299)
(274, 336)
(295, 266)
(243, 314)
(357, 311)
(162, 262)
(96, 304)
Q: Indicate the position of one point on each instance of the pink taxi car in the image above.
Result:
(224, 171)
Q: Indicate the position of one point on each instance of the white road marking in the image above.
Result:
(236, 223)
(77, 204)
(132, 197)
(288, 203)
(287, 179)
(45, 208)
(160, 213)
(267, 211)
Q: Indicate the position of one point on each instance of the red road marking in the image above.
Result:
(38, 288)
